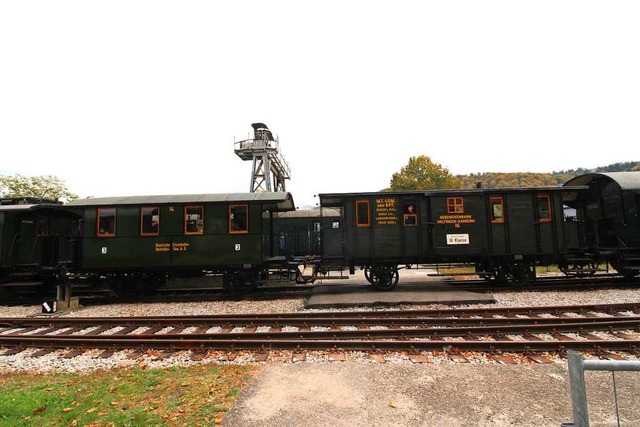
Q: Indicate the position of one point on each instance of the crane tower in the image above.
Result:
(269, 170)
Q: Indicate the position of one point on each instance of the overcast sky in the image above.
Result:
(146, 97)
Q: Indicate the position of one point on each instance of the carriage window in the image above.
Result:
(410, 217)
(455, 205)
(193, 220)
(106, 222)
(362, 213)
(150, 221)
(238, 222)
(497, 209)
(544, 208)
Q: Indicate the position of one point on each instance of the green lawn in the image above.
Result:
(190, 396)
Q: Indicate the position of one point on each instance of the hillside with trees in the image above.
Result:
(528, 179)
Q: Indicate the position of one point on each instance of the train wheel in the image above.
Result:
(489, 277)
(384, 278)
(367, 274)
(627, 273)
(486, 271)
(516, 274)
(578, 269)
(239, 282)
(622, 268)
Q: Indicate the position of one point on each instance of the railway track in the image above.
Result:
(542, 284)
(526, 330)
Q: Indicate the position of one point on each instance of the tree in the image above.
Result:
(44, 187)
(421, 173)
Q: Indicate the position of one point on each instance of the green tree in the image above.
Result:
(44, 187)
(421, 173)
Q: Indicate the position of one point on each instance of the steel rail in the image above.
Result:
(434, 333)
(399, 314)
(359, 345)
(305, 321)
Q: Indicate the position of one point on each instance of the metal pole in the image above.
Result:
(578, 389)
(611, 365)
(615, 397)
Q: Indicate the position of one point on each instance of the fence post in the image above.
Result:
(578, 389)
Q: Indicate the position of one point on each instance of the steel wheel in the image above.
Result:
(384, 278)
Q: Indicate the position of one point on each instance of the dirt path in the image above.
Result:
(350, 394)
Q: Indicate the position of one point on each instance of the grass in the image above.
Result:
(185, 396)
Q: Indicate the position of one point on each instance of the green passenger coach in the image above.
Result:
(504, 232)
(149, 238)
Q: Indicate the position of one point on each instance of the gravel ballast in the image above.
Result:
(359, 391)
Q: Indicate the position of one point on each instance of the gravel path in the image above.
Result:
(428, 395)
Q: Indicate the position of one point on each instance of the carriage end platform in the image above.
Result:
(415, 287)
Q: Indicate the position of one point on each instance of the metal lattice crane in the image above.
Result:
(269, 170)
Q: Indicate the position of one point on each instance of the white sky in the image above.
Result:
(146, 97)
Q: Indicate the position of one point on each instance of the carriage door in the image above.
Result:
(521, 218)
(411, 229)
(498, 229)
(331, 230)
(26, 245)
(46, 243)
(611, 222)
(546, 224)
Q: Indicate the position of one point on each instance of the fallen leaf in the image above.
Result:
(49, 389)
(90, 410)
(65, 410)
(392, 404)
(39, 409)
(115, 403)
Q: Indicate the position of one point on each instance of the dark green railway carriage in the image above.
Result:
(37, 239)
(153, 237)
(608, 220)
(298, 233)
(376, 231)
(505, 232)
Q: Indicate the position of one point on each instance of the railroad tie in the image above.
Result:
(458, 358)
(299, 357)
(261, 356)
(73, 353)
(43, 352)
